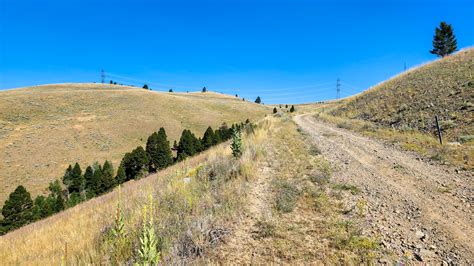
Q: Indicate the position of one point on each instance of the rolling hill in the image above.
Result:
(411, 100)
(43, 129)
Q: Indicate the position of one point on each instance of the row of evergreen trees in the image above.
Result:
(19, 209)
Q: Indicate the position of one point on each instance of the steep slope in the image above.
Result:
(45, 128)
(412, 99)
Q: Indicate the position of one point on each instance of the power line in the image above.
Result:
(102, 75)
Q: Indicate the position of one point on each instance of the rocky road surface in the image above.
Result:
(420, 210)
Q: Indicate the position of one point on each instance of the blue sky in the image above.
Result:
(284, 51)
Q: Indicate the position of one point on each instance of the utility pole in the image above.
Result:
(102, 75)
(338, 89)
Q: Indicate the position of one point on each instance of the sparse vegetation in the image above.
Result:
(68, 123)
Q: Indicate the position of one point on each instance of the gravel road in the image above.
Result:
(420, 210)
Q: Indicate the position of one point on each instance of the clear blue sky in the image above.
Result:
(285, 51)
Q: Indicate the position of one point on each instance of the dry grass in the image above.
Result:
(411, 100)
(45, 128)
(193, 200)
(302, 225)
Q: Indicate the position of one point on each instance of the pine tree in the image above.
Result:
(292, 109)
(17, 210)
(134, 163)
(42, 207)
(204, 89)
(57, 196)
(170, 90)
(89, 181)
(164, 156)
(286, 106)
(108, 180)
(145, 87)
(258, 100)
(187, 145)
(67, 180)
(208, 138)
(76, 184)
(152, 151)
(97, 186)
(444, 41)
(121, 176)
(275, 110)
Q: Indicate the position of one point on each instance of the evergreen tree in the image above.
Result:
(56, 194)
(247, 121)
(108, 181)
(42, 207)
(292, 109)
(97, 185)
(225, 132)
(208, 138)
(444, 41)
(145, 87)
(90, 183)
(17, 210)
(134, 163)
(121, 176)
(187, 145)
(286, 106)
(275, 110)
(217, 137)
(77, 180)
(170, 90)
(111, 82)
(164, 156)
(204, 89)
(236, 96)
(258, 100)
(152, 151)
(67, 180)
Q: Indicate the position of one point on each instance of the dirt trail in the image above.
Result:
(419, 210)
(240, 247)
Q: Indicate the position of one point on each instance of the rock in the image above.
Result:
(419, 234)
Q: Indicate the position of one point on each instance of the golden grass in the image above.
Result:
(302, 223)
(444, 87)
(45, 128)
(187, 200)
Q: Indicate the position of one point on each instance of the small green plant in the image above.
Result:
(148, 253)
(264, 229)
(351, 188)
(287, 197)
(236, 145)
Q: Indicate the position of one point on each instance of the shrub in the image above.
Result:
(287, 197)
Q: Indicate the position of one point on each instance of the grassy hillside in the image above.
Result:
(45, 128)
(412, 99)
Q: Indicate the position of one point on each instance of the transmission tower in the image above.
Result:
(338, 88)
(102, 75)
